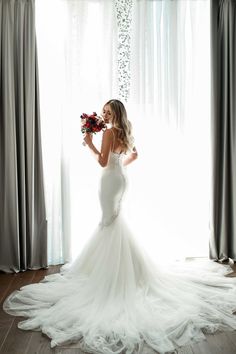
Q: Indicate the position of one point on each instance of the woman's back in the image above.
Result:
(117, 147)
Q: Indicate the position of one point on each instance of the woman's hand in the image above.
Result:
(88, 138)
(132, 156)
(107, 140)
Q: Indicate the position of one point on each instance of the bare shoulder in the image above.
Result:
(107, 136)
(108, 133)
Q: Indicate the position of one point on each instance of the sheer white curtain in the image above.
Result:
(158, 54)
(170, 101)
(77, 69)
(51, 31)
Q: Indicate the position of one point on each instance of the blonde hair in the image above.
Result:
(122, 125)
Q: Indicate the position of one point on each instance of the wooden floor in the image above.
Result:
(16, 341)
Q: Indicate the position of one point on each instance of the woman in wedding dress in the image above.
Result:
(113, 298)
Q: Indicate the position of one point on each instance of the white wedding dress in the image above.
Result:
(113, 298)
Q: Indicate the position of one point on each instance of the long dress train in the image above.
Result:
(113, 298)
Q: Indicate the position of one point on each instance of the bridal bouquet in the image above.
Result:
(92, 123)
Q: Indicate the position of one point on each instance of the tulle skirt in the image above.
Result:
(114, 298)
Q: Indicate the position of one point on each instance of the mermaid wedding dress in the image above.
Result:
(113, 298)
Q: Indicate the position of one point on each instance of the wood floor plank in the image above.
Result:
(16, 342)
(185, 350)
(233, 266)
(220, 343)
(18, 280)
(39, 344)
(41, 273)
(5, 326)
(231, 275)
(231, 336)
(8, 323)
(5, 283)
(203, 347)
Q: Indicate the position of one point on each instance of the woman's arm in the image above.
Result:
(103, 156)
(133, 156)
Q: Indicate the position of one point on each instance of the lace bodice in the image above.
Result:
(115, 159)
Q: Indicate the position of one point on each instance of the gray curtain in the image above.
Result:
(223, 35)
(23, 227)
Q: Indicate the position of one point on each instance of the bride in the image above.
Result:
(113, 298)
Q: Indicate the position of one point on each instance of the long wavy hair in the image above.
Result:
(122, 125)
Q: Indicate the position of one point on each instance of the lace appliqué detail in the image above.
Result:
(107, 223)
(113, 217)
(124, 20)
